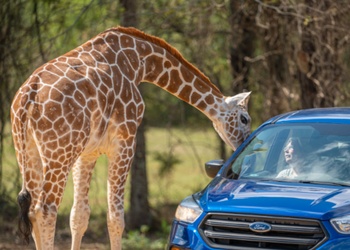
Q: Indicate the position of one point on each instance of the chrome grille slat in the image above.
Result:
(260, 238)
(232, 231)
(280, 228)
(230, 224)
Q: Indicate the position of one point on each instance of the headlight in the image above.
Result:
(188, 210)
(342, 224)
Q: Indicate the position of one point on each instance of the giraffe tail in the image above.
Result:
(24, 224)
(21, 110)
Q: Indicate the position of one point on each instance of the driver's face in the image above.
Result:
(288, 152)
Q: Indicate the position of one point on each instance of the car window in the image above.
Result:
(297, 152)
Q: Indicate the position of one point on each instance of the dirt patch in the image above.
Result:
(10, 241)
(58, 246)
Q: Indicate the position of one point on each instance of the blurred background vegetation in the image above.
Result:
(290, 54)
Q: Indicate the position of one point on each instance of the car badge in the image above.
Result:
(260, 227)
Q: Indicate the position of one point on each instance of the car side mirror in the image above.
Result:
(212, 167)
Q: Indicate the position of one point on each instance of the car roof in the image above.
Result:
(322, 115)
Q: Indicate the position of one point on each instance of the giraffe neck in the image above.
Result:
(182, 80)
(159, 63)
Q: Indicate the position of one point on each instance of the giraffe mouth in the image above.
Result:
(227, 139)
(246, 135)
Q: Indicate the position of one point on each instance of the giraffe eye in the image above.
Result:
(244, 120)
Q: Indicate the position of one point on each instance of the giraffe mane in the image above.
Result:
(162, 43)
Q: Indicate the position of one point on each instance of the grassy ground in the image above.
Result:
(188, 150)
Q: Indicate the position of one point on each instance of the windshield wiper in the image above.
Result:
(345, 184)
(325, 182)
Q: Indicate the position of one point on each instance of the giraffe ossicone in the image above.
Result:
(86, 103)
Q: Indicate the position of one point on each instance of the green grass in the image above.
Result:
(187, 148)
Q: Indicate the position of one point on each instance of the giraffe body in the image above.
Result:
(86, 103)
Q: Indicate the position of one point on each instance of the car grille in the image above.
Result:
(232, 231)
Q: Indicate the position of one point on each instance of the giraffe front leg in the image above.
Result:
(80, 213)
(116, 224)
(117, 175)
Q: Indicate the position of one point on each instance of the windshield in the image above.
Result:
(297, 152)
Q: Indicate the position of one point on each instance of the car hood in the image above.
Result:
(276, 198)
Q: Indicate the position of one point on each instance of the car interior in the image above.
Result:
(325, 154)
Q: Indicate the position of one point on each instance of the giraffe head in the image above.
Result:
(233, 122)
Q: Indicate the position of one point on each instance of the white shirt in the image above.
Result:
(287, 173)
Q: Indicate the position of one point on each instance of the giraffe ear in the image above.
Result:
(241, 99)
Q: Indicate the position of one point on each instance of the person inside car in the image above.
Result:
(293, 157)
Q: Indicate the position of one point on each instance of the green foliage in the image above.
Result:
(8, 206)
(167, 162)
(198, 29)
(142, 239)
(139, 241)
(60, 32)
(201, 30)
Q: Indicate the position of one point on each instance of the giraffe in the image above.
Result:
(86, 103)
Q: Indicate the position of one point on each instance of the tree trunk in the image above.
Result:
(139, 213)
(276, 42)
(243, 37)
(319, 72)
(308, 95)
(11, 43)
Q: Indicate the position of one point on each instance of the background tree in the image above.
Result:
(13, 64)
(311, 36)
(139, 213)
(324, 33)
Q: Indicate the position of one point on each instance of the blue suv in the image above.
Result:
(286, 187)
